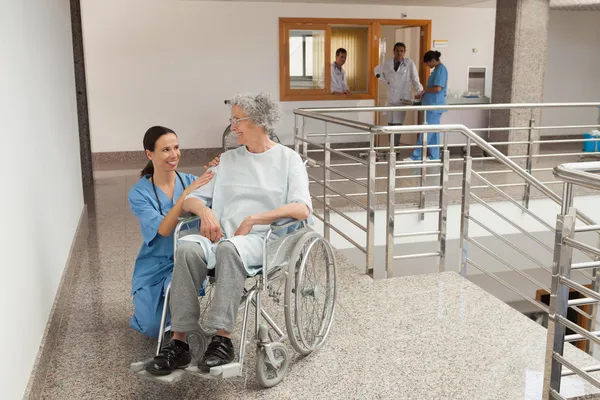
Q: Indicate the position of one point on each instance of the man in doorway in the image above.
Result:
(399, 73)
(338, 76)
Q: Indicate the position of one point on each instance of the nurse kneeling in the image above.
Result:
(157, 201)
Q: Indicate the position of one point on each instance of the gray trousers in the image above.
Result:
(189, 273)
(396, 136)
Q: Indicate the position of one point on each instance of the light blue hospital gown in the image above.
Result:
(154, 263)
(247, 184)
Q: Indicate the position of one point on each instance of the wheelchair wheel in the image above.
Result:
(270, 373)
(200, 338)
(310, 293)
(205, 302)
(198, 341)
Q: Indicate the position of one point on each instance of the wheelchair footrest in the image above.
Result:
(139, 369)
(223, 372)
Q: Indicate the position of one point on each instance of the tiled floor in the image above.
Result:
(422, 337)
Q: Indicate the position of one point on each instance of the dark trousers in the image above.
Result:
(396, 136)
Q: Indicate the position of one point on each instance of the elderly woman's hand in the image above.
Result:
(209, 225)
(245, 227)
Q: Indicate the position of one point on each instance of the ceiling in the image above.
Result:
(572, 5)
(575, 5)
(430, 3)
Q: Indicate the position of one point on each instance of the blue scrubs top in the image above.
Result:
(439, 77)
(154, 262)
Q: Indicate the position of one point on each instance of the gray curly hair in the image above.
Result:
(261, 110)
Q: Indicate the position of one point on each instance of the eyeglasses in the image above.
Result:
(235, 121)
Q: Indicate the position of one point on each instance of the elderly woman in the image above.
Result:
(254, 185)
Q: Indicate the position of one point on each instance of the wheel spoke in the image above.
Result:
(310, 307)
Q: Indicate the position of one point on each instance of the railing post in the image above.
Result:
(464, 212)
(296, 141)
(326, 178)
(371, 173)
(423, 170)
(596, 288)
(391, 209)
(304, 144)
(444, 177)
(529, 163)
(559, 294)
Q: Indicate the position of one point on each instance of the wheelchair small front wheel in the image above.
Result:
(271, 368)
(198, 341)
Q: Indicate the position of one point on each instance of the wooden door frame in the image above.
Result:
(424, 46)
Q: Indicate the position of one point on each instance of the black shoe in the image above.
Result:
(173, 356)
(220, 352)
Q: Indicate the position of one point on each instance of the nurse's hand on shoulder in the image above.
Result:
(199, 182)
(215, 161)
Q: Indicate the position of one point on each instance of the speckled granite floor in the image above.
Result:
(432, 336)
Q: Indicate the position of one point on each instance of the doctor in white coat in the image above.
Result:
(398, 73)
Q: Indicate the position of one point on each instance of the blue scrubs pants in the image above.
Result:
(148, 304)
(433, 138)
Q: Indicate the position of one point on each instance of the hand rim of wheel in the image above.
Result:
(298, 345)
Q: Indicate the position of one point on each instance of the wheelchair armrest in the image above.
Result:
(188, 219)
(283, 223)
(184, 221)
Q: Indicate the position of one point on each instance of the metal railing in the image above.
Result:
(434, 180)
(562, 281)
(350, 187)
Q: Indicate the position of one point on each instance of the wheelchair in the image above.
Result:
(298, 265)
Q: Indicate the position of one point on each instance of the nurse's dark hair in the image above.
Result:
(432, 55)
(399, 44)
(150, 138)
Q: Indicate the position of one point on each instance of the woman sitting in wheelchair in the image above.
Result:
(255, 185)
(157, 201)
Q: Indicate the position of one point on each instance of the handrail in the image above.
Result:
(484, 145)
(579, 173)
(505, 106)
(337, 120)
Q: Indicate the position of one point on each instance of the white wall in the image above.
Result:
(40, 174)
(572, 68)
(174, 62)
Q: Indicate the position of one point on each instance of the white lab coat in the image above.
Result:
(399, 84)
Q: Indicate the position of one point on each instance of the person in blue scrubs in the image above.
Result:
(157, 201)
(433, 95)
